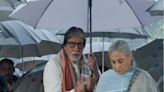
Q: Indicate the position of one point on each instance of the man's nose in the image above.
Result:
(76, 47)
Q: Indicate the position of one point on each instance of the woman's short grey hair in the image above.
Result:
(120, 45)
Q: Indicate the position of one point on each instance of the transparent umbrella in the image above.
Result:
(124, 15)
(99, 48)
(109, 17)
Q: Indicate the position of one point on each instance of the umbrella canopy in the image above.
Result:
(139, 8)
(151, 54)
(32, 81)
(62, 14)
(28, 65)
(129, 33)
(6, 7)
(4, 12)
(97, 47)
(156, 9)
(19, 41)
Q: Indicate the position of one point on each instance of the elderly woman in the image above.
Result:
(125, 76)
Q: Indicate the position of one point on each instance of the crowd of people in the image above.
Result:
(71, 71)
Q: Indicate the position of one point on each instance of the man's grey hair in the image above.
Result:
(74, 32)
(120, 45)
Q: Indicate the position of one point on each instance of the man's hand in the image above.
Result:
(93, 66)
(92, 61)
(86, 85)
(90, 84)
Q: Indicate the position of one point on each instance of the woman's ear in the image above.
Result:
(130, 58)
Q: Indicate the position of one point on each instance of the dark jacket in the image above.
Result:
(3, 85)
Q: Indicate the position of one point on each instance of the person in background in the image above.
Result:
(6, 71)
(3, 85)
(69, 70)
(124, 76)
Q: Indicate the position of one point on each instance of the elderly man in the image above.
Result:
(69, 70)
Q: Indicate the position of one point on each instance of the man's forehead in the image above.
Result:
(76, 34)
(5, 63)
(76, 39)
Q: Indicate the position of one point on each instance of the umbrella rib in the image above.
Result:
(27, 32)
(137, 31)
(134, 12)
(145, 36)
(142, 26)
(11, 3)
(43, 13)
(2, 32)
(8, 31)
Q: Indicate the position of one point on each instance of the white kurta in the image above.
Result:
(53, 74)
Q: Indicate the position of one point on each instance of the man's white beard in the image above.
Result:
(74, 58)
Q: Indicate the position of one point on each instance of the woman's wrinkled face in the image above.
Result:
(120, 62)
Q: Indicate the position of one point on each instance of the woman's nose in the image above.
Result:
(117, 66)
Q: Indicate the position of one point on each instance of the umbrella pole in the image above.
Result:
(103, 55)
(89, 27)
(22, 60)
(90, 22)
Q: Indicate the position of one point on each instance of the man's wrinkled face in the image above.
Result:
(120, 62)
(6, 70)
(74, 48)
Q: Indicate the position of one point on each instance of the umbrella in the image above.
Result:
(32, 81)
(6, 7)
(29, 64)
(149, 54)
(4, 12)
(20, 41)
(156, 9)
(129, 33)
(94, 16)
(62, 14)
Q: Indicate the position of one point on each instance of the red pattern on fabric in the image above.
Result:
(68, 79)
